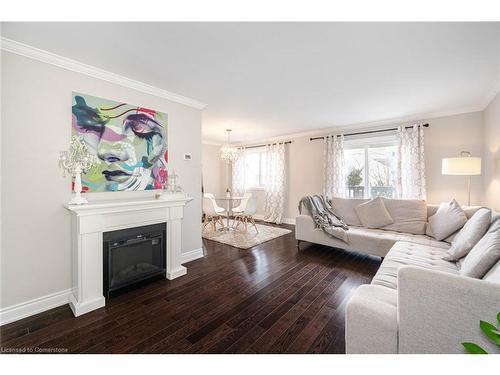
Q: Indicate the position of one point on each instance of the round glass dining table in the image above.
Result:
(229, 203)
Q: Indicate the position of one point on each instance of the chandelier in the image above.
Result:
(228, 153)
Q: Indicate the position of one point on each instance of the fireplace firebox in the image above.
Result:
(132, 256)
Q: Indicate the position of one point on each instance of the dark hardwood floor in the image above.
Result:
(268, 299)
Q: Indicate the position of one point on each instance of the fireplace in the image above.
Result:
(132, 256)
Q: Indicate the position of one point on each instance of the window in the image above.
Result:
(255, 164)
(370, 167)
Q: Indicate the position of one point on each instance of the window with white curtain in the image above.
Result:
(255, 164)
(370, 164)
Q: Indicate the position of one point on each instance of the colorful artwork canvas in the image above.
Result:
(129, 141)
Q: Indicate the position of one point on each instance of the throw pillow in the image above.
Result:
(471, 233)
(448, 219)
(483, 255)
(373, 214)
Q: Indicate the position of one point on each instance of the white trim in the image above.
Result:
(35, 306)
(289, 221)
(491, 95)
(286, 220)
(373, 125)
(192, 255)
(92, 71)
(210, 143)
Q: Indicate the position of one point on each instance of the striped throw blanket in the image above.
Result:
(324, 218)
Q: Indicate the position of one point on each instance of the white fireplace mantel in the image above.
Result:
(90, 221)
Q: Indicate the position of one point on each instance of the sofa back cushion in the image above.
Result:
(344, 208)
(373, 213)
(484, 255)
(409, 215)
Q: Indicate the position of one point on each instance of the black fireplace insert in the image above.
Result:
(132, 256)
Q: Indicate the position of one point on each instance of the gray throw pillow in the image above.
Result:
(471, 233)
(373, 214)
(447, 220)
(483, 255)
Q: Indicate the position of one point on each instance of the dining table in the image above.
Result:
(229, 203)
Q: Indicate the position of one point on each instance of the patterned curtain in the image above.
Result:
(275, 186)
(334, 167)
(410, 172)
(239, 173)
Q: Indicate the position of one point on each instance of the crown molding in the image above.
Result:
(210, 143)
(373, 125)
(91, 71)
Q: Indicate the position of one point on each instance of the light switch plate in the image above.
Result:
(187, 157)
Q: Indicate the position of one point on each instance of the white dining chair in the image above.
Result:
(247, 215)
(243, 203)
(214, 202)
(212, 215)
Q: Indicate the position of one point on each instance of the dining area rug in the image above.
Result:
(245, 239)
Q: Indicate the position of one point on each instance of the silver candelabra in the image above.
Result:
(75, 161)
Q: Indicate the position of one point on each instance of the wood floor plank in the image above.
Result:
(267, 299)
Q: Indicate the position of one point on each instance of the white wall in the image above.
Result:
(491, 163)
(215, 171)
(36, 118)
(446, 137)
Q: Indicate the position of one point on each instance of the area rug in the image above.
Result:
(245, 240)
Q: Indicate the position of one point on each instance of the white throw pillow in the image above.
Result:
(373, 214)
(448, 219)
(483, 255)
(471, 233)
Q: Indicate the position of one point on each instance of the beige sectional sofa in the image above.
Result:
(417, 302)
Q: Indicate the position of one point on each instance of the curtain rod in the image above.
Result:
(368, 132)
(264, 145)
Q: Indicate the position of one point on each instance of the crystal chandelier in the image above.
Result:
(228, 153)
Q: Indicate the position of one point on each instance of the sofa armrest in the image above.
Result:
(371, 323)
(304, 225)
(438, 311)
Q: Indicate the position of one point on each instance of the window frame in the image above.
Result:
(261, 151)
(366, 143)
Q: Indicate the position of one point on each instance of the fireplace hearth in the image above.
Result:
(132, 256)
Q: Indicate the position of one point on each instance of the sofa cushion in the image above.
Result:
(379, 241)
(447, 220)
(411, 254)
(469, 235)
(484, 254)
(373, 213)
(469, 212)
(493, 274)
(344, 209)
(409, 215)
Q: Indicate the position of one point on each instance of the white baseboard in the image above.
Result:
(284, 221)
(22, 310)
(192, 255)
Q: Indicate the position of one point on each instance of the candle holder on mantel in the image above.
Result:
(75, 161)
(172, 189)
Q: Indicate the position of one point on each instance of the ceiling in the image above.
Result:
(266, 80)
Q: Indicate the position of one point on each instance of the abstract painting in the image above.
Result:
(129, 141)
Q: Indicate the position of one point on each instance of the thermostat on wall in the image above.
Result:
(187, 157)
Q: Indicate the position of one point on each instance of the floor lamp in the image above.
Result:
(465, 165)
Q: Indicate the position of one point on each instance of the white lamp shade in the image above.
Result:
(463, 166)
